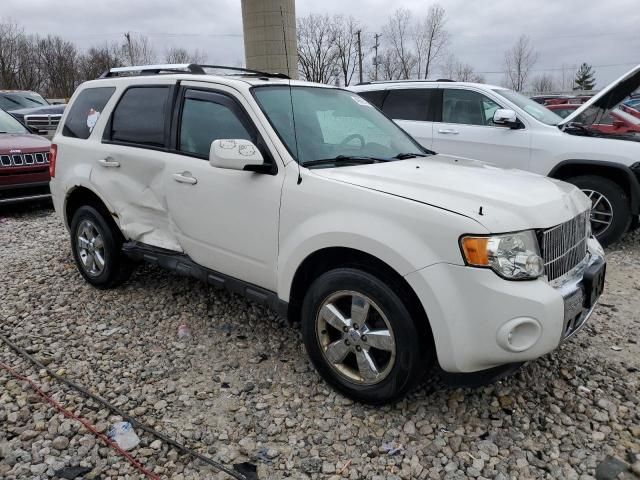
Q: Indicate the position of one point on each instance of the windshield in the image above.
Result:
(14, 101)
(537, 111)
(8, 124)
(331, 123)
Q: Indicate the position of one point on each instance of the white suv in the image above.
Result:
(500, 126)
(306, 198)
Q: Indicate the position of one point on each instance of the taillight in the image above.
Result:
(53, 153)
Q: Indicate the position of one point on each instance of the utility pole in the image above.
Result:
(359, 53)
(375, 60)
(127, 36)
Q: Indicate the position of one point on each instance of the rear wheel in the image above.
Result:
(97, 249)
(610, 212)
(362, 338)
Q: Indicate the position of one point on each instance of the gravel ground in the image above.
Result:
(240, 389)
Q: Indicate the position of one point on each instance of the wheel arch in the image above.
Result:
(81, 195)
(621, 174)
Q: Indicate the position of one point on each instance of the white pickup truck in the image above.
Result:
(308, 199)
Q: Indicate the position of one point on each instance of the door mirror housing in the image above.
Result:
(236, 154)
(506, 117)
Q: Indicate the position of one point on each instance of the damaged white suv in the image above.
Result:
(308, 199)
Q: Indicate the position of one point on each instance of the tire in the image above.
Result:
(88, 223)
(401, 357)
(614, 198)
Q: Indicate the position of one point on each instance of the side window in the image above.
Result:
(207, 117)
(409, 104)
(466, 107)
(140, 116)
(85, 112)
(374, 97)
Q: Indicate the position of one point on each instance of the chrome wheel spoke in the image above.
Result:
(337, 351)
(380, 339)
(367, 366)
(333, 317)
(604, 222)
(359, 310)
(99, 259)
(83, 242)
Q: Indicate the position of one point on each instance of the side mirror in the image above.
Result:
(506, 117)
(236, 155)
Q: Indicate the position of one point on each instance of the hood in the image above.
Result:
(43, 110)
(610, 96)
(501, 200)
(24, 142)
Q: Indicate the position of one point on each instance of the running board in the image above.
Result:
(183, 265)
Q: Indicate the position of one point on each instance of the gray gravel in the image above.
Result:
(240, 388)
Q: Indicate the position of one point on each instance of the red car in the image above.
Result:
(615, 122)
(24, 163)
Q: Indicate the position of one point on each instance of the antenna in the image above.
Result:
(293, 115)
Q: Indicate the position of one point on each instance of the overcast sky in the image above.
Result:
(565, 33)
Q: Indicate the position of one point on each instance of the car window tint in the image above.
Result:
(85, 112)
(409, 104)
(205, 121)
(375, 97)
(140, 116)
(467, 107)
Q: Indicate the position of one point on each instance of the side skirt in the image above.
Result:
(183, 265)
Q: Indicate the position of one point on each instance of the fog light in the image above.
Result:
(519, 334)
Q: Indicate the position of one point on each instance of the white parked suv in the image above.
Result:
(306, 198)
(500, 126)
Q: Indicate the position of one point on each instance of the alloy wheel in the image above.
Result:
(90, 248)
(355, 337)
(601, 212)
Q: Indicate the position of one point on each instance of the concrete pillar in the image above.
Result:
(264, 38)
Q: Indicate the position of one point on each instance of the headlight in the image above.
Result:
(514, 256)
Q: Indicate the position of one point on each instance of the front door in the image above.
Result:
(467, 130)
(226, 220)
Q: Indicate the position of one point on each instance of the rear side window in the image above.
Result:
(375, 97)
(140, 116)
(85, 112)
(409, 104)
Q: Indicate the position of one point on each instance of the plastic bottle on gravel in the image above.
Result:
(123, 434)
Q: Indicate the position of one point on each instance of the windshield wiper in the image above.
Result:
(354, 159)
(405, 156)
(580, 128)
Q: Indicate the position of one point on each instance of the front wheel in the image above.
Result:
(610, 212)
(361, 337)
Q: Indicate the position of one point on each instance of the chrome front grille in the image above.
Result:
(43, 122)
(24, 159)
(565, 246)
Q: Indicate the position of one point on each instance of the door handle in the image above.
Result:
(184, 177)
(109, 162)
(448, 131)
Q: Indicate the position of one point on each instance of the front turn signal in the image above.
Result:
(475, 251)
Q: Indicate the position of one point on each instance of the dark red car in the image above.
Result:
(616, 122)
(24, 163)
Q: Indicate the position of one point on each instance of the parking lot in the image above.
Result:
(240, 387)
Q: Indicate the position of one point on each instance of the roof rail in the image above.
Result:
(375, 82)
(192, 68)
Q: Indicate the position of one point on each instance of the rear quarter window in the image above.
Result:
(140, 116)
(374, 97)
(85, 111)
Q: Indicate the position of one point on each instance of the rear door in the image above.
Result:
(413, 109)
(130, 162)
(467, 130)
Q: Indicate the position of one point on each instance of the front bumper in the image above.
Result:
(480, 321)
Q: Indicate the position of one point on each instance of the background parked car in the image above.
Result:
(24, 163)
(32, 110)
(617, 122)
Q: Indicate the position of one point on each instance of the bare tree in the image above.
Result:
(59, 59)
(430, 39)
(454, 69)
(389, 65)
(398, 31)
(543, 83)
(316, 48)
(346, 46)
(182, 55)
(518, 62)
(137, 50)
(99, 59)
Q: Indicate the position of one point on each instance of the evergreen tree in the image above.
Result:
(585, 78)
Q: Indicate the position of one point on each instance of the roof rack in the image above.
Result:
(192, 68)
(375, 82)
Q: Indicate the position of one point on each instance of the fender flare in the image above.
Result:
(627, 172)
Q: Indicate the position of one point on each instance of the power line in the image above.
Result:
(557, 69)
